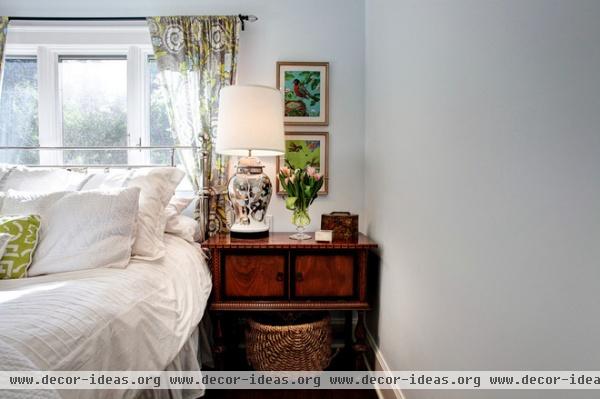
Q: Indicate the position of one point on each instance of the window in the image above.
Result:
(19, 110)
(98, 86)
(160, 133)
(94, 108)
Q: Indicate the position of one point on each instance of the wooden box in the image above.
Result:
(343, 224)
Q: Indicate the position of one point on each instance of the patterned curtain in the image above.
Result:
(3, 28)
(196, 57)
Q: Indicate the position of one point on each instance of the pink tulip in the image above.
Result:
(317, 177)
(286, 171)
(311, 171)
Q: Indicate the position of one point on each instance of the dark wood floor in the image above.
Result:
(343, 361)
(293, 394)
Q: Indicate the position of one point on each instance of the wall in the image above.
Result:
(482, 165)
(482, 181)
(287, 30)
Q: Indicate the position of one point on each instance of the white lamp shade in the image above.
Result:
(250, 118)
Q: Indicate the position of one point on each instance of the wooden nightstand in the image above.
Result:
(280, 274)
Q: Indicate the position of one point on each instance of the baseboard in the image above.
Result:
(381, 365)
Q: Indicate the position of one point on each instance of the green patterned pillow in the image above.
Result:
(19, 251)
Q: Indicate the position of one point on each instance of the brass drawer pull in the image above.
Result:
(279, 276)
(299, 277)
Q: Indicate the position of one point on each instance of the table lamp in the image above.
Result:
(250, 125)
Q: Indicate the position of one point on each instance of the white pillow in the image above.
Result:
(184, 227)
(157, 188)
(40, 179)
(4, 239)
(174, 208)
(177, 205)
(79, 230)
(178, 224)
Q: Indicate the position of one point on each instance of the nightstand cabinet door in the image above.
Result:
(250, 275)
(324, 275)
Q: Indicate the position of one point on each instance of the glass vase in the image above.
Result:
(300, 219)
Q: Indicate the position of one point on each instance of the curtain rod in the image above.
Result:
(243, 19)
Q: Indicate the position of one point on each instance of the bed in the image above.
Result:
(136, 318)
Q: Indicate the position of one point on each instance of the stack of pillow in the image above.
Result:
(55, 220)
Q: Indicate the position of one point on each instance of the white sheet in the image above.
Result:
(136, 318)
(11, 360)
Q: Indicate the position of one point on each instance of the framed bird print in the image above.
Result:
(305, 87)
(304, 149)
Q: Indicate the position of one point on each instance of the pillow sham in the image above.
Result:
(184, 227)
(174, 208)
(177, 205)
(40, 179)
(18, 253)
(178, 224)
(79, 229)
(157, 186)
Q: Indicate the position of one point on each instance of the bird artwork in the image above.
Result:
(300, 91)
(302, 153)
(293, 147)
(313, 144)
(315, 162)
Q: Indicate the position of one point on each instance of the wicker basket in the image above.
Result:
(302, 346)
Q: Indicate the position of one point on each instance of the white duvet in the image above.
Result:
(136, 318)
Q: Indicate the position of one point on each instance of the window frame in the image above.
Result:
(50, 42)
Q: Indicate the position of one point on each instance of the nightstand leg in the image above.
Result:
(360, 343)
(219, 349)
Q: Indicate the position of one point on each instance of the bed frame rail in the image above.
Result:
(173, 149)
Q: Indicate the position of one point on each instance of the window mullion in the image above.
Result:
(137, 125)
(49, 110)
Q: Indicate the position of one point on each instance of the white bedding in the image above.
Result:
(136, 318)
(12, 360)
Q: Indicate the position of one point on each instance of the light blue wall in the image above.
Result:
(482, 164)
(483, 185)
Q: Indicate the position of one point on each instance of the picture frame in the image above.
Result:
(305, 88)
(301, 146)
